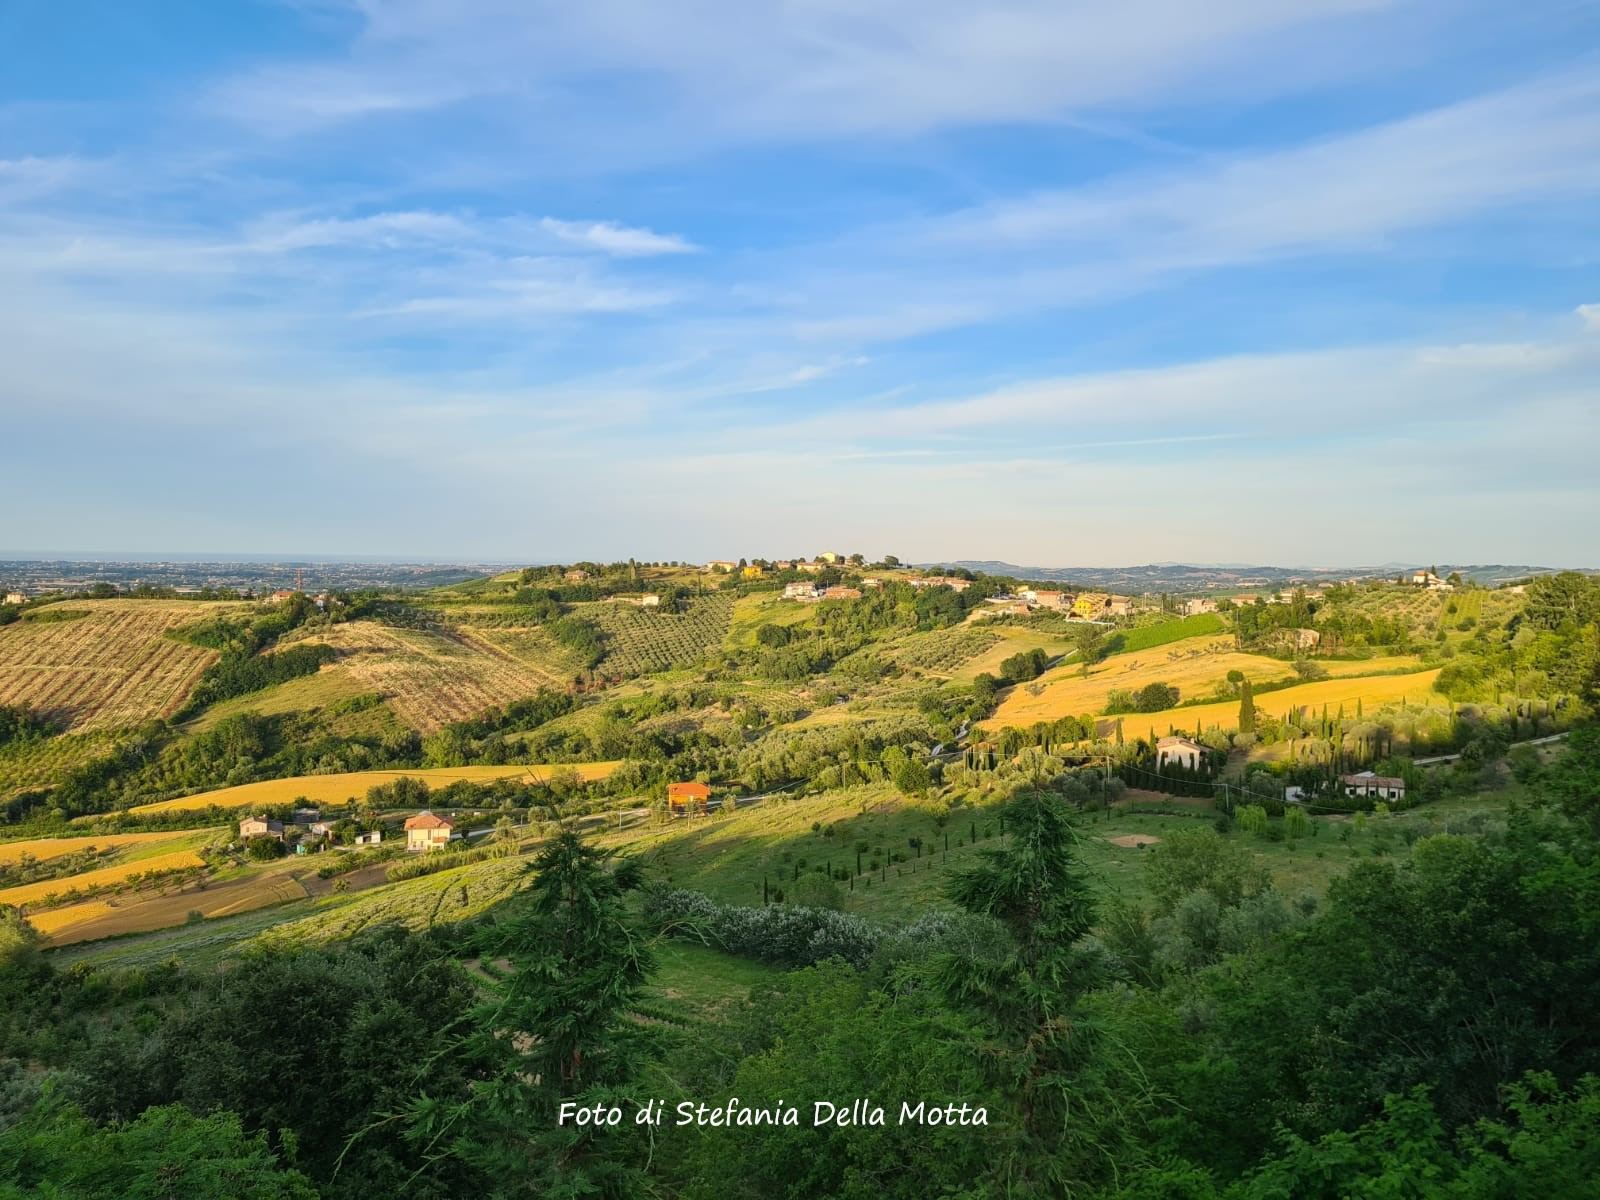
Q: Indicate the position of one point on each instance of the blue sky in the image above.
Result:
(1052, 282)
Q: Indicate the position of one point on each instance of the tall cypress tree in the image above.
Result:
(1247, 708)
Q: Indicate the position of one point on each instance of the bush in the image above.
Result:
(781, 934)
(263, 848)
(1154, 697)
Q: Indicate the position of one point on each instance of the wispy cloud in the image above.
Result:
(619, 240)
(798, 70)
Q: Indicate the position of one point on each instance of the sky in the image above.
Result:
(1053, 282)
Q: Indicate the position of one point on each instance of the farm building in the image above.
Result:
(687, 797)
(1090, 605)
(805, 590)
(1202, 604)
(650, 600)
(281, 596)
(260, 827)
(1053, 600)
(955, 585)
(1119, 606)
(1182, 751)
(16, 598)
(753, 572)
(305, 816)
(870, 582)
(1367, 783)
(322, 827)
(719, 564)
(842, 593)
(429, 831)
(372, 837)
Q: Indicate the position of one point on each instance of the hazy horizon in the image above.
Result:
(289, 559)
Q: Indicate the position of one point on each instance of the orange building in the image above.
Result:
(687, 797)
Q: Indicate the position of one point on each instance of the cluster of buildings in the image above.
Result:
(809, 592)
(1427, 579)
(721, 566)
(283, 596)
(1082, 606)
(316, 831)
(425, 831)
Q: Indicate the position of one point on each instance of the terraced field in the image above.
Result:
(47, 848)
(642, 640)
(104, 877)
(945, 651)
(337, 788)
(95, 919)
(1195, 666)
(432, 677)
(111, 668)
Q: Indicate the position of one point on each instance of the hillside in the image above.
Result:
(101, 664)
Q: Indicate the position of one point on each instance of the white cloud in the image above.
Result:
(618, 240)
(1590, 315)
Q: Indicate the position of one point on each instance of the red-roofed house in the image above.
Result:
(687, 797)
(429, 831)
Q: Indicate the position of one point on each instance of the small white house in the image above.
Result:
(369, 838)
(1182, 751)
(1369, 783)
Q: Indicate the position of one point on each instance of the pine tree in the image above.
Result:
(559, 1032)
(1030, 991)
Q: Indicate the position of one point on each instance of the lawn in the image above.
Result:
(699, 982)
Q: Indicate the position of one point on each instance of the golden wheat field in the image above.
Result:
(110, 668)
(1374, 692)
(433, 677)
(43, 848)
(335, 789)
(95, 919)
(1195, 666)
(104, 877)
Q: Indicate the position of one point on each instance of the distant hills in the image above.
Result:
(1194, 577)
